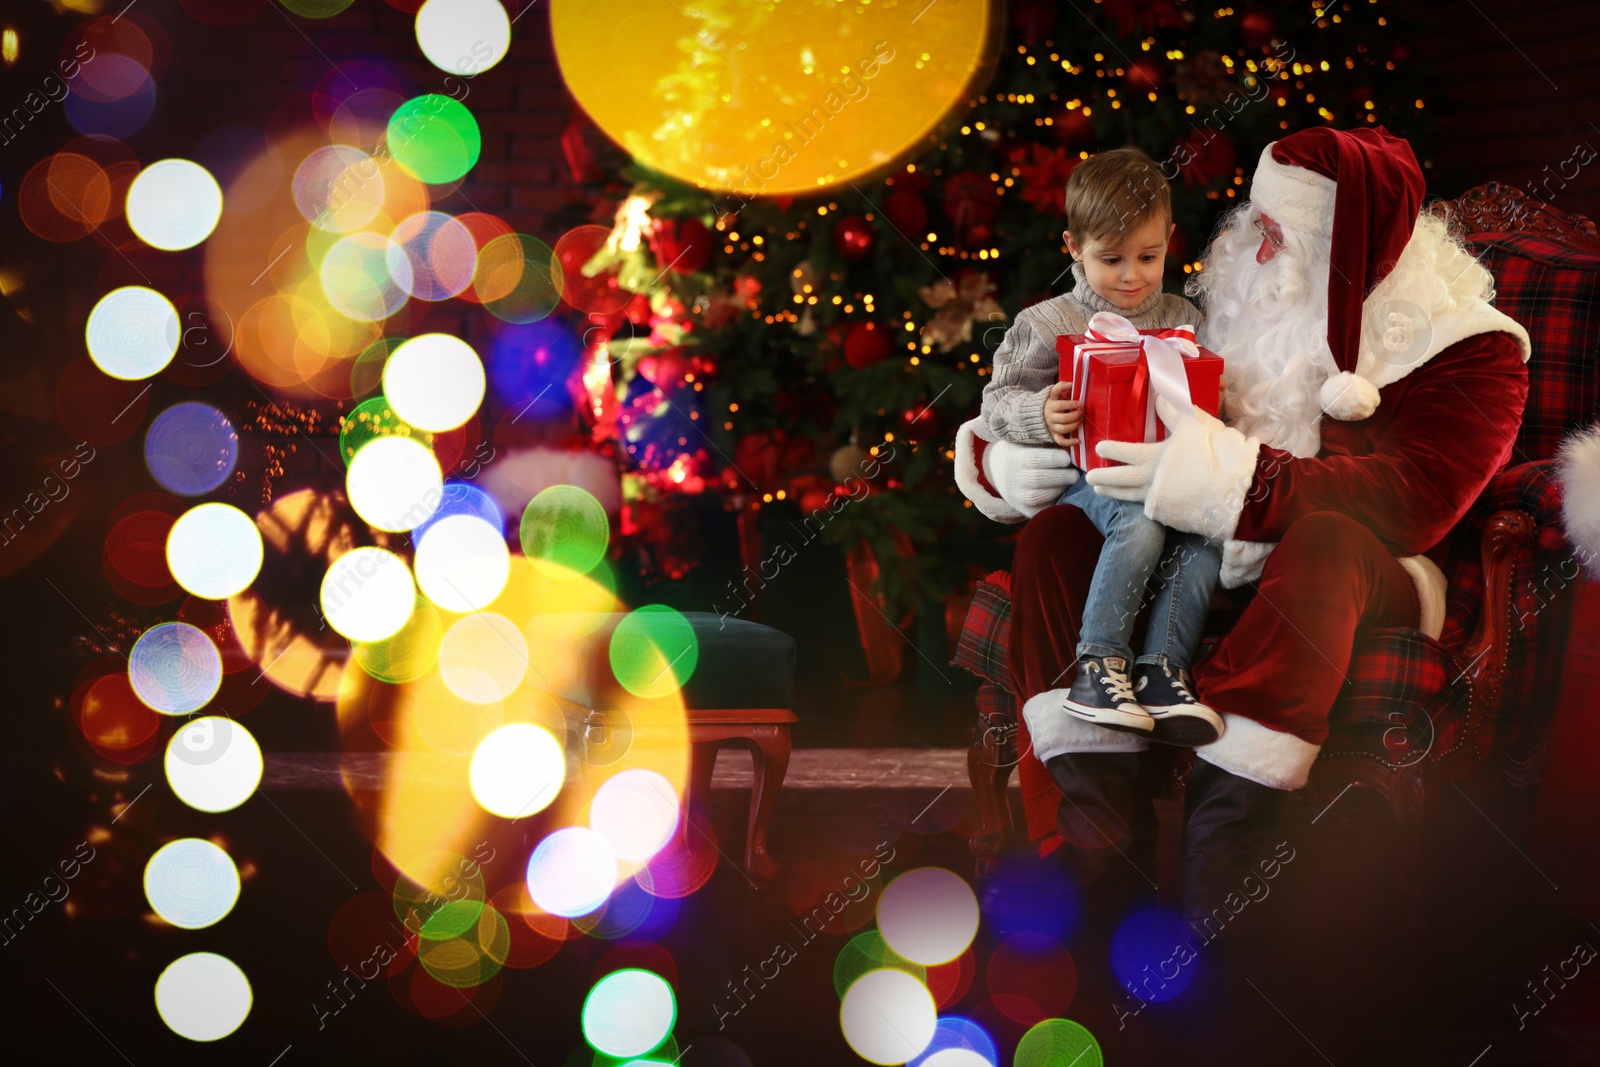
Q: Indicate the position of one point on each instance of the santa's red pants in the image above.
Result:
(1281, 664)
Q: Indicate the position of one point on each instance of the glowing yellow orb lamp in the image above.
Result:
(771, 97)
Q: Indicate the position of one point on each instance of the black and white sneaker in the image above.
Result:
(1178, 717)
(1103, 694)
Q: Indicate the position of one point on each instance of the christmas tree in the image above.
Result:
(823, 349)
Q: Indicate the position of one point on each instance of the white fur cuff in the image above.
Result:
(1203, 479)
(967, 473)
(1578, 468)
(1431, 587)
(1242, 561)
(1260, 753)
(1054, 730)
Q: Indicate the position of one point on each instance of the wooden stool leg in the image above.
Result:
(770, 762)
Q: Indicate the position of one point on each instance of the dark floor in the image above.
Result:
(1338, 980)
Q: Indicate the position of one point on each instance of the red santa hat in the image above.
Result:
(1364, 188)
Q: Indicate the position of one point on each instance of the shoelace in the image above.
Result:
(1179, 682)
(1117, 684)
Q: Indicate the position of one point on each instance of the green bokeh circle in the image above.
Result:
(1058, 1041)
(653, 651)
(434, 138)
(865, 952)
(538, 289)
(371, 419)
(565, 525)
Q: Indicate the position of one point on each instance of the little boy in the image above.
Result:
(1119, 220)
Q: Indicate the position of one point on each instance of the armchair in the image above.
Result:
(1418, 714)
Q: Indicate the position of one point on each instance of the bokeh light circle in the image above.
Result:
(566, 526)
(214, 551)
(213, 764)
(653, 651)
(517, 770)
(435, 381)
(132, 333)
(367, 594)
(462, 563)
(191, 448)
(394, 483)
(191, 883)
(175, 668)
(464, 37)
(338, 188)
(928, 915)
(483, 657)
(1150, 942)
(861, 85)
(440, 255)
(956, 1057)
(435, 138)
(463, 499)
(637, 811)
(518, 278)
(174, 204)
(365, 277)
(1056, 1041)
(572, 872)
(203, 996)
(888, 1016)
(629, 1012)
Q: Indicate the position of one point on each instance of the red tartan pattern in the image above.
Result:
(1553, 292)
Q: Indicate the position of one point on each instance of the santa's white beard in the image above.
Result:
(1269, 323)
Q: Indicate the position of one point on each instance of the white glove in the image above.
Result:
(1028, 477)
(1197, 480)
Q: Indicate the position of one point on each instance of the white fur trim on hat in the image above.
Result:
(1053, 730)
(1260, 753)
(1291, 196)
(967, 473)
(1578, 469)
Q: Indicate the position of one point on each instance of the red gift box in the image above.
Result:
(1111, 374)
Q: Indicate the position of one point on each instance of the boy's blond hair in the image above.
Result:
(1114, 193)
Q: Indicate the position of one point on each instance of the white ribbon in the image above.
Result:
(1163, 357)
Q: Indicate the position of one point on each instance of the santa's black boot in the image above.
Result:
(1230, 829)
(1108, 828)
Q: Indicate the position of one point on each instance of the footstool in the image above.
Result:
(742, 689)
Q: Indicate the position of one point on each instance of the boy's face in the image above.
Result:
(1127, 273)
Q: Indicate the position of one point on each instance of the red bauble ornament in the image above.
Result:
(907, 212)
(1034, 20)
(970, 200)
(1258, 27)
(1072, 129)
(1145, 76)
(852, 237)
(867, 343)
(1203, 157)
(921, 422)
(681, 245)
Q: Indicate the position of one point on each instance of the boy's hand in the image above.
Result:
(1062, 417)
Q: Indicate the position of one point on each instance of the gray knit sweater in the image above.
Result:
(1026, 364)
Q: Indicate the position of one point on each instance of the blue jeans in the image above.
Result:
(1137, 547)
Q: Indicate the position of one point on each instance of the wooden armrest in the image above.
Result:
(1485, 651)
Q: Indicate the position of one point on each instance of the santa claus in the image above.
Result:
(1372, 391)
